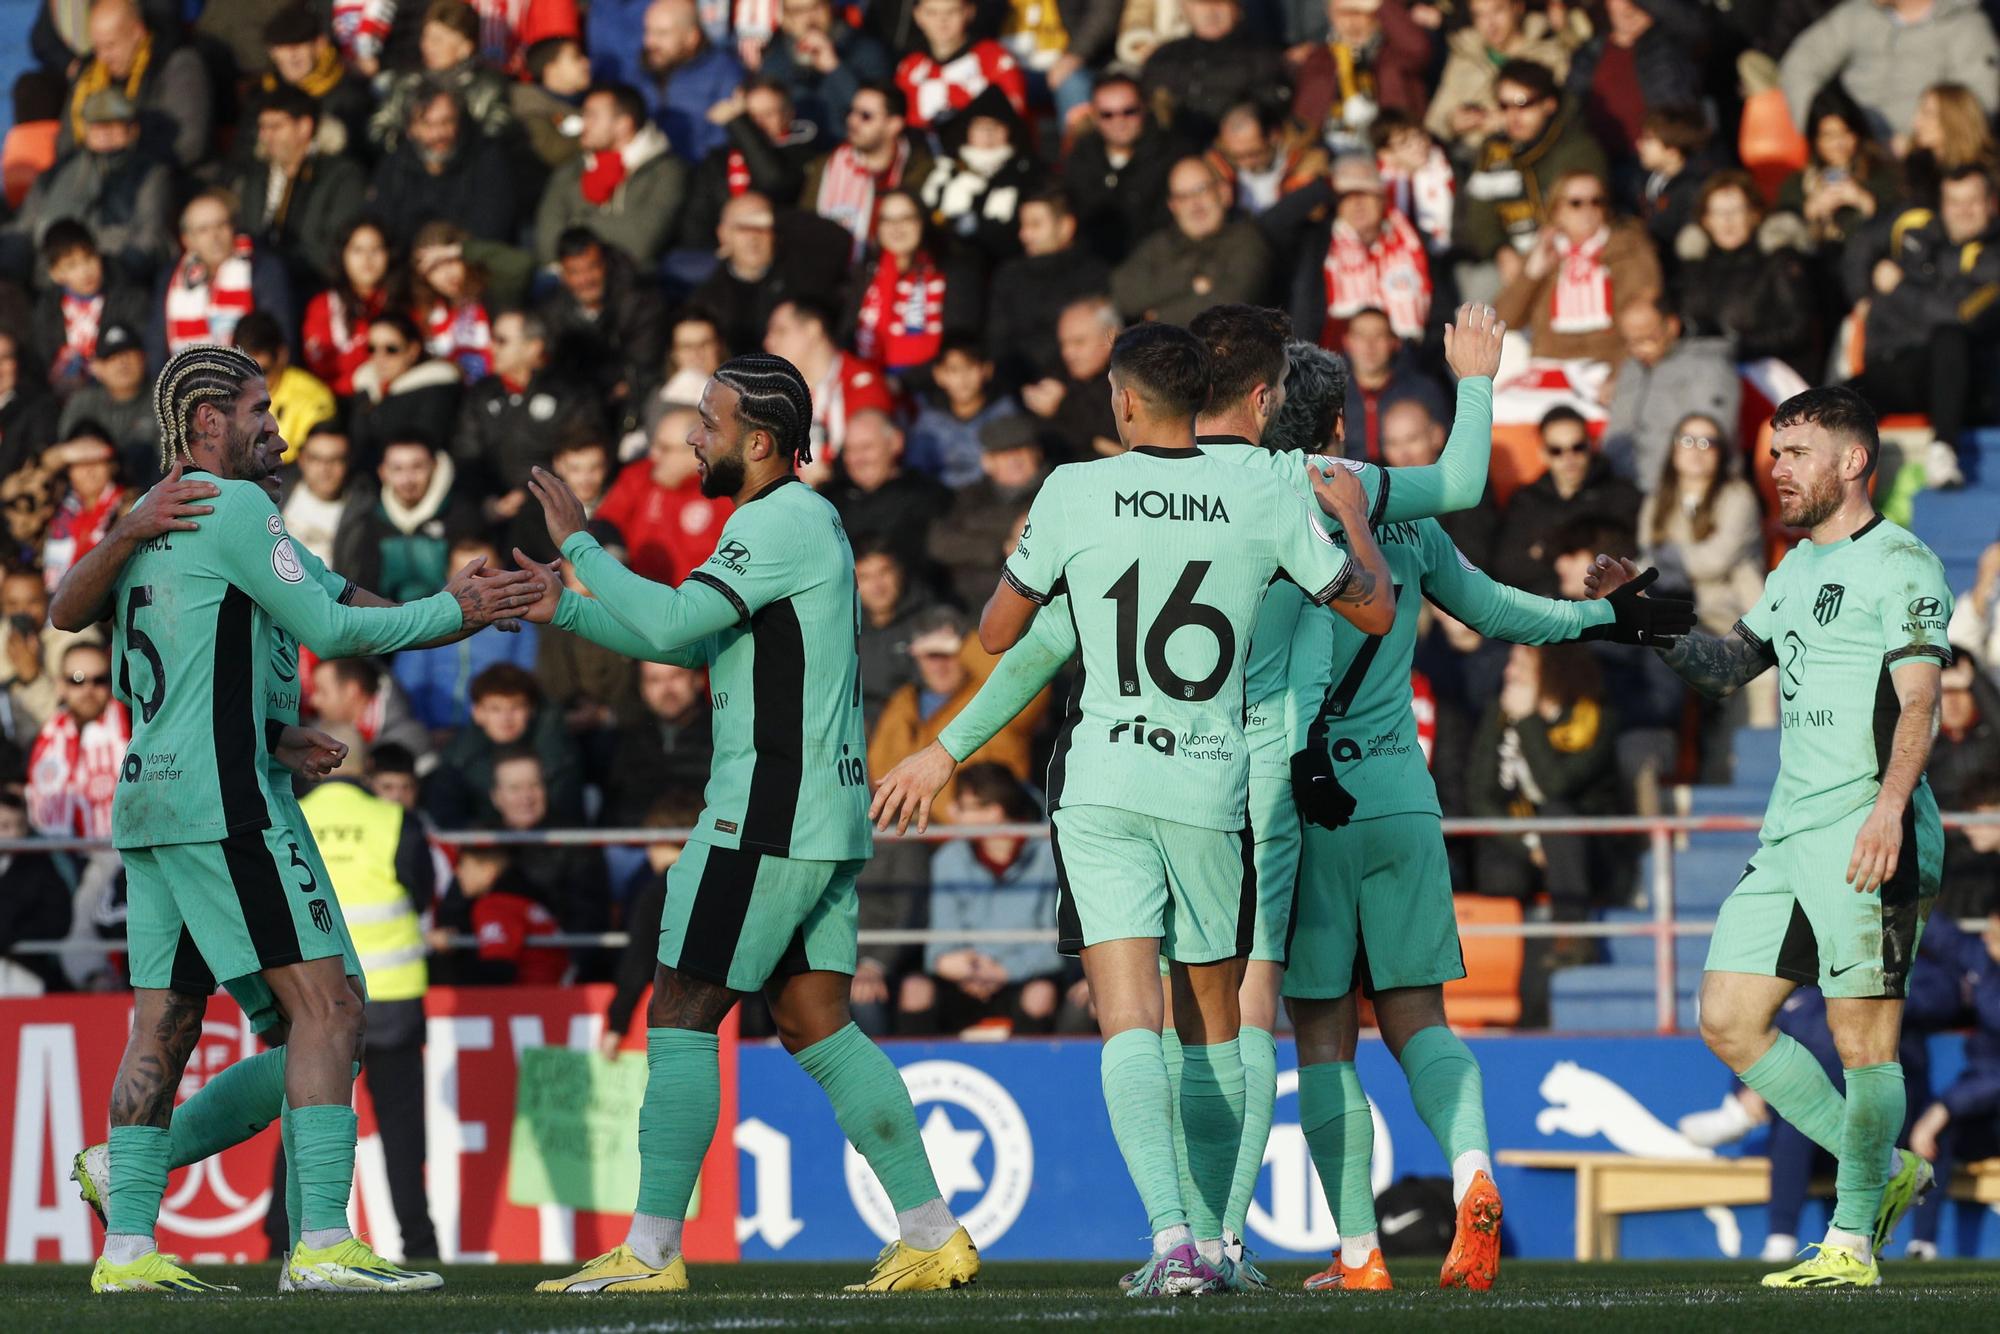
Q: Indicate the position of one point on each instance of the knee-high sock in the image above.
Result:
(1260, 1091)
(872, 1105)
(1446, 1087)
(1797, 1088)
(228, 1108)
(138, 1181)
(1172, 1055)
(1134, 1075)
(294, 1201)
(677, 1119)
(1875, 1106)
(1340, 1131)
(323, 1161)
(1212, 1120)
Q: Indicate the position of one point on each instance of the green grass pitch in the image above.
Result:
(1621, 1296)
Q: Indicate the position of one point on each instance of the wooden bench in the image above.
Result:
(1611, 1185)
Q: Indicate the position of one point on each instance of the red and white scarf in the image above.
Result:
(1426, 196)
(81, 317)
(1393, 274)
(204, 307)
(73, 773)
(461, 334)
(1581, 302)
(847, 191)
(738, 178)
(902, 314)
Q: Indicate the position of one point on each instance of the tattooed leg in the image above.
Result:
(165, 1027)
(680, 1001)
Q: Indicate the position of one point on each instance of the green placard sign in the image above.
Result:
(576, 1130)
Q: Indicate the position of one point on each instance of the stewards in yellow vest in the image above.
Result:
(380, 864)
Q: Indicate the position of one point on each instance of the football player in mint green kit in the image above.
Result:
(763, 897)
(213, 871)
(1847, 864)
(1165, 553)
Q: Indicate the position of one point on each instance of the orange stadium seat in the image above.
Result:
(29, 150)
(1489, 995)
(1769, 143)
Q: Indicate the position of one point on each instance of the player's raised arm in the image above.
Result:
(1359, 587)
(85, 594)
(1457, 481)
(1716, 667)
(1028, 579)
(1501, 611)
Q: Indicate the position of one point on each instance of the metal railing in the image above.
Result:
(1661, 831)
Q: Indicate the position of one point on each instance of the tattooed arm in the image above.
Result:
(1365, 594)
(1719, 667)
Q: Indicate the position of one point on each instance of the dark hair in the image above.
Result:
(894, 100)
(457, 15)
(965, 344)
(343, 290)
(410, 438)
(576, 241)
(390, 758)
(87, 428)
(1054, 198)
(258, 333)
(814, 309)
(334, 425)
(1838, 411)
(1667, 498)
(1683, 129)
(288, 100)
(1112, 78)
(1315, 396)
(1593, 534)
(624, 97)
(765, 83)
(1832, 102)
(64, 238)
(405, 327)
(1557, 415)
(1570, 674)
(1165, 365)
(994, 785)
(771, 396)
(878, 544)
(504, 678)
(516, 750)
(1246, 348)
(540, 55)
(429, 90)
(583, 430)
(358, 672)
(1537, 78)
(1968, 171)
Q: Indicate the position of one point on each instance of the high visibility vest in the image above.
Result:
(357, 833)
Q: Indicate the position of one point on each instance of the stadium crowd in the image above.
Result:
(465, 238)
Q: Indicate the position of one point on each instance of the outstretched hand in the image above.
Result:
(1650, 622)
(170, 507)
(561, 510)
(485, 595)
(907, 791)
(1472, 341)
(1607, 574)
(549, 578)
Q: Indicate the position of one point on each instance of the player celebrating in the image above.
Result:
(764, 895)
(1848, 858)
(1148, 785)
(218, 883)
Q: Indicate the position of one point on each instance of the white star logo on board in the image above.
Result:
(986, 1202)
(951, 1152)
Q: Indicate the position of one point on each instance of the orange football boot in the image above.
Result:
(1474, 1261)
(1370, 1277)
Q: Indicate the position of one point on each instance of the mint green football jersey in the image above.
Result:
(282, 684)
(775, 617)
(1836, 621)
(196, 622)
(1367, 718)
(1164, 556)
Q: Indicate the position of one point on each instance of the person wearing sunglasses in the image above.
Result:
(399, 392)
(73, 768)
(1577, 484)
(1584, 267)
(1515, 169)
(1116, 172)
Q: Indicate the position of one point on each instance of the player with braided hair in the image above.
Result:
(763, 897)
(199, 373)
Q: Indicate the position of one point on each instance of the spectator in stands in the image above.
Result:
(988, 884)
(442, 169)
(1885, 55)
(1847, 180)
(1951, 130)
(666, 751)
(1422, 185)
(608, 326)
(748, 283)
(354, 692)
(301, 56)
(944, 441)
(27, 411)
(32, 665)
(764, 150)
(1219, 64)
(1641, 60)
(1962, 1124)
(596, 689)
(1547, 747)
(295, 199)
(1975, 617)
(337, 320)
(1143, 27)
(571, 882)
(73, 769)
(1413, 438)
(404, 541)
(437, 678)
(948, 67)
(512, 420)
(1500, 204)
(1381, 372)
(35, 900)
(113, 186)
(1965, 758)
(907, 295)
(891, 605)
(447, 300)
(1702, 527)
(843, 185)
(494, 903)
(399, 393)
(801, 331)
(1465, 108)
(680, 76)
(1665, 375)
(1075, 413)
(657, 504)
(1366, 257)
(971, 540)
(507, 711)
(450, 54)
(821, 61)
(1583, 269)
(1376, 59)
(325, 508)
(583, 460)
(92, 501)
(1116, 171)
(85, 296)
(119, 400)
(975, 188)
(1578, 484)
(625, 187)
(220, 277)
(1058, 50)
(949, 671)
(877, 496)
(1745, 279)
(547, 104)
(1203, 259)
(166, 84)
(1262, 159)
(300, 400)
(1671, 148)
(28, 498)
(1931, 306)
(1029, 293)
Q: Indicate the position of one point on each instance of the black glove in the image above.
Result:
(1316, 792)
(1651, 622)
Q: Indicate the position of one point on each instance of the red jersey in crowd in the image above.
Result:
(667, 532)
(901, 323)
(336, 337)
(851, 385)
(76, 528)
(73, 772)
(503, 922)
(936, 90)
